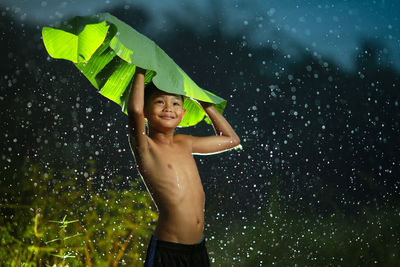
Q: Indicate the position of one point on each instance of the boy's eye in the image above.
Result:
(176, 104)
(159, 101)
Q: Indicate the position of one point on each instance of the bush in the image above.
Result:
(59, 218)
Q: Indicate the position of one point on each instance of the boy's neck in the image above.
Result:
(165, 138)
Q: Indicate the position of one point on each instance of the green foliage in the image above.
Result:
(364, 237)
(287, 240)
(60, 219)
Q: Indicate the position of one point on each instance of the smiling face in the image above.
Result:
(164, 111)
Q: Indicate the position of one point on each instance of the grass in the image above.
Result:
(289, 239)
(66, 221)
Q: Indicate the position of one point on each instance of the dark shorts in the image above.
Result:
(165, 254)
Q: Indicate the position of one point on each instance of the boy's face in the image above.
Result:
(164, 110)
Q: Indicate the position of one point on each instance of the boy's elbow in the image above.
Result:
(235, 141)
(134, 111)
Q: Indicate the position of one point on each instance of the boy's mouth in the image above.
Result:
(167, 117)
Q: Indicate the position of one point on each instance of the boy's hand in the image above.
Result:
(139, 70)
(204, 104)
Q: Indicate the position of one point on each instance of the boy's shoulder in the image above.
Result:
(184, 141)
(182, 138)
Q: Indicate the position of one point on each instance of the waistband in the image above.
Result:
(179, 246)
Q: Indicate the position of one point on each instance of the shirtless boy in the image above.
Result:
(170, 173)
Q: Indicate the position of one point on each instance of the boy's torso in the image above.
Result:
(172, 178)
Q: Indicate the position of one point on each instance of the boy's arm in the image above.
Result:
(225, 137)
(137, 127)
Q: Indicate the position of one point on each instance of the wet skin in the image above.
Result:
(171, 176)
(165, 160)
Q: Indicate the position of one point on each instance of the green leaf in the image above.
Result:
(74, 47)
(53, 39)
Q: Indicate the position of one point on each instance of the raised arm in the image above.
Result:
(137, 127)
(225, 137)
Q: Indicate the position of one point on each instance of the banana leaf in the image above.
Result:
(107, 50)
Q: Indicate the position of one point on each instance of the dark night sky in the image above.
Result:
(332, 28)
(312, 89)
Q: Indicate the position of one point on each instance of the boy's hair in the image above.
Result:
(151, 89)
(148, 91)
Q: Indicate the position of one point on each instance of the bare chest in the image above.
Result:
(174, 161)
(171, 174)
(167, 161)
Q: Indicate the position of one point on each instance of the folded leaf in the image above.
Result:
(77, 47)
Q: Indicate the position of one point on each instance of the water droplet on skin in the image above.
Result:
(177, 180)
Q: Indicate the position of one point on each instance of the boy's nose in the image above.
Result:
(167, 107)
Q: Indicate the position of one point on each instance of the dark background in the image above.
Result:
(320, 131)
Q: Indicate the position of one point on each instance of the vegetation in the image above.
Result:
(365, 236)
(66, 221)
(61, 218)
